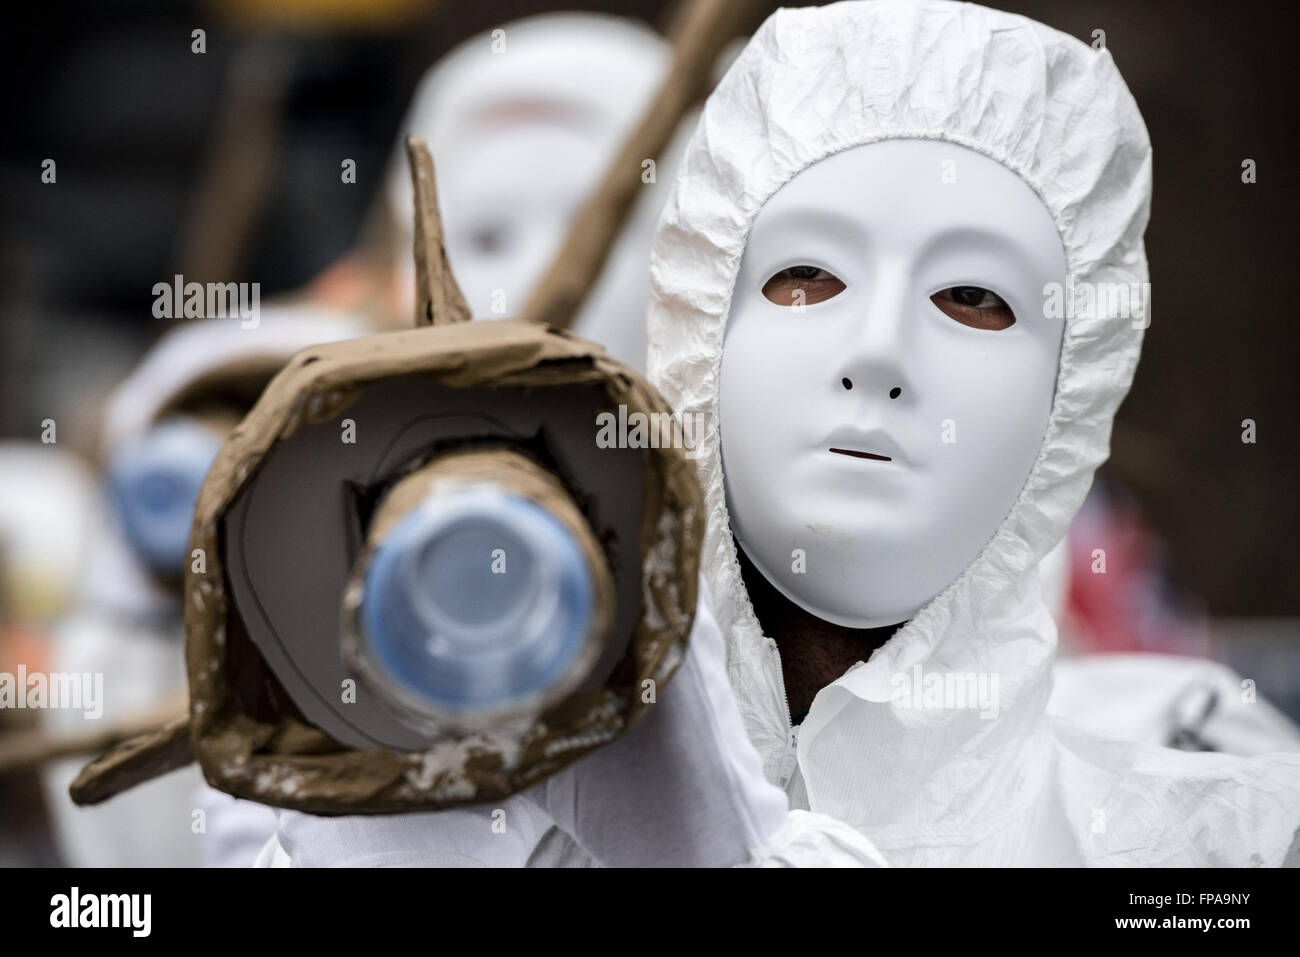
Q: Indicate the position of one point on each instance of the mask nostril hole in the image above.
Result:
(846, 383)
(895, 392)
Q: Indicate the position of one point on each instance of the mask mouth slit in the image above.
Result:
(863, 455)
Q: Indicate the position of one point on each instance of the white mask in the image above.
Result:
(510, 191)
(960, 411)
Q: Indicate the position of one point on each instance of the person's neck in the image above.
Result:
(814, 652)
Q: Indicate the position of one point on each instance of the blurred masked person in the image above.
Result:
(161, 430)
(522, 123)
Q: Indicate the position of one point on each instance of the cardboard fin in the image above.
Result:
(133, 762)
(438, 299)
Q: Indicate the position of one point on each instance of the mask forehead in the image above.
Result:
(919, 187)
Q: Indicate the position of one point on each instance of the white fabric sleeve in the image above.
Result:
(484, 835)
(272, 855)
(815, 840)
(237, 831)
(686, 787)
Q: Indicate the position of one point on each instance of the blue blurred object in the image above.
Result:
(479, 601)
(154, 482)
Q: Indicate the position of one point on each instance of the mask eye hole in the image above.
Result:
(802, 286)
(975, 306)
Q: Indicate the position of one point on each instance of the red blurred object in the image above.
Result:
(1121, 596)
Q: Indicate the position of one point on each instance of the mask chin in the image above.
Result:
(875, 439)
(856, 608)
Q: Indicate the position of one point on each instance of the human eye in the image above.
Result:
(802, 286)
(975, 306)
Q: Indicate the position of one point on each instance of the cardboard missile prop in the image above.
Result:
(700, 32)
(351, 643)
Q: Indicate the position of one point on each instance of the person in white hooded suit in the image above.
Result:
(834, 110)
(521, 122)
(821, 296)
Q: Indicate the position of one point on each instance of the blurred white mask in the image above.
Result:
(522, 127)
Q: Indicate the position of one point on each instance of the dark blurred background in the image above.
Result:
(227, 164)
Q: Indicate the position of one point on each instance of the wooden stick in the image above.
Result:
(239, 163)
(706, 27)
(438, 299)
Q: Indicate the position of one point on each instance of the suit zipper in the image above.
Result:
(789, 761)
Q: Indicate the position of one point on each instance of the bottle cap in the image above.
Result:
(154, 481)
(479, 600)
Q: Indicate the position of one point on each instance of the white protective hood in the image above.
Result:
(935, 786)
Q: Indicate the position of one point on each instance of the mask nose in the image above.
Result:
(894, 393)
(876, 355)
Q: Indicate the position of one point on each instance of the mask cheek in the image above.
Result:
(751, 445)
(987, 438)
